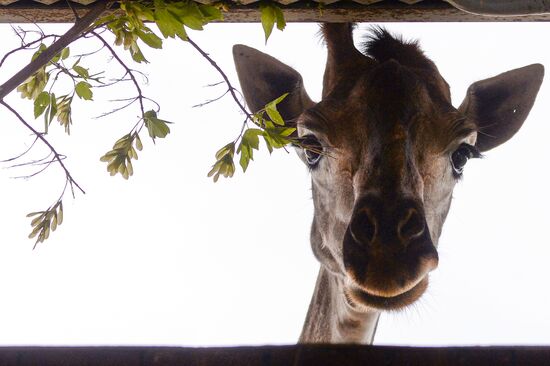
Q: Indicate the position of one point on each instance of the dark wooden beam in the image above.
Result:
(301, 11)
(296, 355)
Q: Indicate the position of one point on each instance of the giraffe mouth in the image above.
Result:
(359, 298)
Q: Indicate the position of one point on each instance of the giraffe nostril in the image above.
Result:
(363, 227)
(411, 226)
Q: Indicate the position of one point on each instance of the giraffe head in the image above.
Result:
(385, 148)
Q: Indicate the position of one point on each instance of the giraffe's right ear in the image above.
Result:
(264, 78)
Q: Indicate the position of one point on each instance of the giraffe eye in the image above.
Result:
(313, 150)
(460, 157)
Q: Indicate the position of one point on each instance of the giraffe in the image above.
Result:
(385, 148)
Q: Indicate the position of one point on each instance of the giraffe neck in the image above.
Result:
(331, 320)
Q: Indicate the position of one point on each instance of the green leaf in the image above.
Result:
(65, 53)
(51, 111)
(277, 137)
(83, 90)
(156, 126)
(246, 156)
(271, 14)
(56, 58)
(249, 142)
(286, 132)
(41, 49)
(281, 23)
(168, 24)
(82, 72)
(251, 137)
(274, 114)
(137, 55)
(278, 100)
(192, 16)
(268, 18)
(137, 11)
(40, 103)
(149, 38)
(210, 12)
(267, 140)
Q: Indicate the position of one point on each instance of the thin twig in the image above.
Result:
(224, 76)
(58, 157)
(129, 71)
(25, 46)
(230, 88)
(210, 100)
(33, 162)
(46, 166)
(18, 34)
(111, 82)
(89, 53)
(118, 109)
(214, 84)
(23, 153)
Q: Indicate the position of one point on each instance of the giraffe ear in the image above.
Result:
(500, 104)
(264, 78)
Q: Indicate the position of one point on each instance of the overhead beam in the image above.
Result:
(301, 11)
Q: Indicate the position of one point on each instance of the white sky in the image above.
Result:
(170, 258)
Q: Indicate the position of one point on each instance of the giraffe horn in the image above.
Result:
(343, 57)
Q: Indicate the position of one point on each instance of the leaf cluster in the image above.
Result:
(44, 222)
(46, 102)
(170, 17)
(119, 158)
(271, 14)
(268, 125)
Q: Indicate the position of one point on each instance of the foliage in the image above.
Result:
(46, 102)
(44, 222)
(272, 130)
(170, 17)
(53, 99)
(271, 15)
(119, 159)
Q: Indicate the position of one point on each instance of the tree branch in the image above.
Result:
(72, 34)
(58, 157)
(224, 76)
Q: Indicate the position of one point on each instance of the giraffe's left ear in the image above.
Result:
(264, 78)
(500, 104)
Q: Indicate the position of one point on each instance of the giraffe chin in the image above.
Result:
(361, 299)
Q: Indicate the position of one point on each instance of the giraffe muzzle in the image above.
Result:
(388, 252)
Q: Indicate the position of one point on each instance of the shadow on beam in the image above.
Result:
(314, 355)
